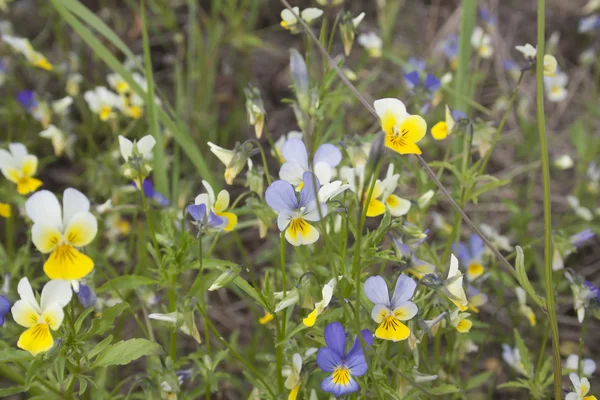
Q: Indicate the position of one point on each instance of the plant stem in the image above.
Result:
(203, 302)
(281, 330)
(264, 159)
(547, 199)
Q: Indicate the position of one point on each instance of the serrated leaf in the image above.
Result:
(126, 351)
(126, 282)
(106, 321)
(524, 353)
(14, 355)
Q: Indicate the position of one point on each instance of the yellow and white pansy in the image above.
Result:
(523, 307)
(327, 293)
(460, 321)
(218, 205)
(292, 374)
(40, 317)
(453, 286)
(356, 180)
(442, 129)
(402, 130)
(102, 102)
(60, 232)
(482, 42)
(277, 151)
(582, 388)
(396, 205)
(117, 83)
(141, 148)
(19, 167)
(289, 20)
(555, 86)
(24, 47)
(372, 43)
(57, 137)
(530, 53)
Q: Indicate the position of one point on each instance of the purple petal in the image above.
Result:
(450, 48)
(328, 360)
(216, 221)
(308, 192)
(355, 359)
(197, 211)
(294, 150)
(336, 389)
(335, 337)
(280, 196)
(148, 188)
(463, 253)
(404, 290)
(27, 99)
(403, 248)
(458, 115)
(581, 237)
(329, 154)
(476, 246)
(86, 296)
(412, 79)
(376, 290)
(160, 199)
(416, 64)
(431, 83)
(4, 308)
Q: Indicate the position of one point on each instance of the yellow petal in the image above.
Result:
(464, 326)
(29, 166)
(265, 319)
(104, 113)
(24, 314)
(41, 62)
(397, 205)
(36, 339)
(401, 145)
(5, 210)
(392, 329)
(375, 208)
(231, 220)
(67, 263)
(294, 393)
(301, 232)
(311, 318)
(13, 175)
(413, 128)
(222, 201)
(388, 122)
(474, 271)
(440, 130)
(27, 185)
(461, 307)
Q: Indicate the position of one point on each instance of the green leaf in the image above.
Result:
(5, 392)
(126, 351)
(126, 282)
(99, 347)
(521, 275)
(14, 355)
(81, 318)
(478, 380)
(524, 352)
(444, 389)
(32, 372)
(513, 385)
(107, 321)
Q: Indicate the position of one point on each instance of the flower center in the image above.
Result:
(341, 375)
(298, 224)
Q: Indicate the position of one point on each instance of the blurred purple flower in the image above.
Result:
(470, 256)
(153, 194)
(4, 309)
(203, 219)
(87, 296)
(343, 366)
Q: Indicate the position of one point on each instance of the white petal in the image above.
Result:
(327, 293)
(203, 198)
(145, 146)
(125, 145)
(310, 14)
(73, 202)
(222, 154)
(19, 151)
(323, 171)
(24, 313)
(56, 291)
(82, 229)
(54, 314)
(26, 293)
(397, 108)
(6, 160)
(43, 208)
(210, 191)
(291, 172)
(283, 220)
(521, 295)
(588, 367)
(297, 362)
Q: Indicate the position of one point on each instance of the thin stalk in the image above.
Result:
(10, 239)
(488, 154)
(281, 330)
(428, 169)
(147, 213)
(264, 159)
(203, 302)
(551, 302)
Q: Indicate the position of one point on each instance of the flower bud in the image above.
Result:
(255, 110)
(225, 278)
(300, 79)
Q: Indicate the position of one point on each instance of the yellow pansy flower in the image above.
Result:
(402, 130)
(5, 210)
(24, 47)
(19, 167)
(218, 205)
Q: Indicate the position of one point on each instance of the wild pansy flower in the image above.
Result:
(39, 318)
(564, 248)
(396, 205)
(564, 162)
(453, 286)
(204, 217)
(470, 255)
(117, 82)
(415, 64)
(482, 42)
(427, 88)
(217, 205)
(356, 180)
(530, 53)
(450, 50)
(415, 266)
(73, 82)
(102, 101)
(348, 27)
(5, 210)
(589, 24)
(523, 307)
(57, 138)
(151, 193)
(372, 43)
(289, 20)
(277, 150)
(137, 156)
(390, 312)
(326, 158)
(29, 101)
(60, 232)
(23, 46)
(343, 366)
(255, 110)
(19, 167)
(402, 130)
(581, 211)
(496, 238)
(266, 318)
(185, 323)
(476, 298)
(4, 309)
(582, 388)
(330, 190)
(443, 129)
(235, 160)
(488, 18)
(555, 86)
(460, 321)
(294, 211)
(292, 375)
(327, 293)
(512, 357)
(588, 366)
(582, 294)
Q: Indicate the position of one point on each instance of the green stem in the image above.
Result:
(203, 302)
(281, 330)
(10, 240)
(547, 199)
(264, 159)
(147, 213)
(488, 154)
